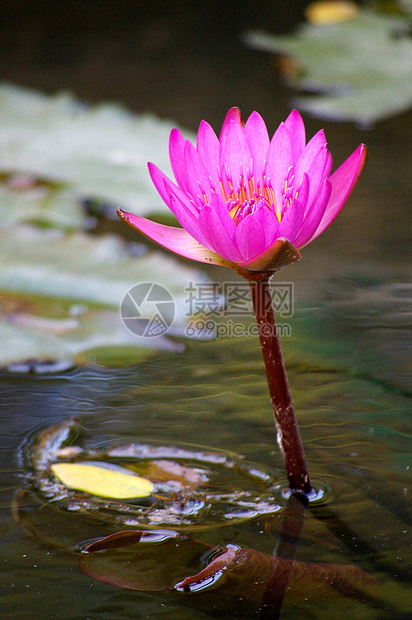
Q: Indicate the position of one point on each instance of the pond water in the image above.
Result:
(353, 412)
(348, 357)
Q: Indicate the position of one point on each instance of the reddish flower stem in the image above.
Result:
(286, 423)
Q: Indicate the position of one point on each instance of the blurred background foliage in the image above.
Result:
(70, 153)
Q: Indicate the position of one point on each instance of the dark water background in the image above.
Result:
(349, 357)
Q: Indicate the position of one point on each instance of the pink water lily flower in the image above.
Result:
(245, 201)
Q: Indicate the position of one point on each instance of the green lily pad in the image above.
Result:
(40, 343)
(61, 288)
(100, 151)
(82, 267)
(60, 296)
(22, 200)
(361, 68)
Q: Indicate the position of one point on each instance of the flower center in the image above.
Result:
(239, 211)
(250, 196)
(247, 198)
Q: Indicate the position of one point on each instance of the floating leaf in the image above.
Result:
(361, 67)
(22, 200)
(223, 488)
(406, 6)
(100, 151)
(54, 152)
(86, 268)
(73, 273)
(103, 480)
(95, 335)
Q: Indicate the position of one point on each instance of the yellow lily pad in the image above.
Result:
(103, 480)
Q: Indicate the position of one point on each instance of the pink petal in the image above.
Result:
(296, 128)
(219, 230)
(303, 192)
(314, 216)
(186, 217)
(308, 155)
(328, 166)
(343, 181)
(257, 138)
(197, 180)
(176, 155)
(270, 225)
(188, 168)
(159, 178)
(183, 196)
(279, 161)
(316, 174)
(233, 115)
(250, 236)
(291, 221)
(208, 147)
(167, 188)
(235, 155)
(176, 240)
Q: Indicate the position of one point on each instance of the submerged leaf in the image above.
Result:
(102, 480)
(222, 488)
(181, 476)
(235, 575)
(144, 566)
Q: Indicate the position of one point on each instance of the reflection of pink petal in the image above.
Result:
(221, 562)
(246, 573)
(126, 538)
(115, 541)
(153, 564)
